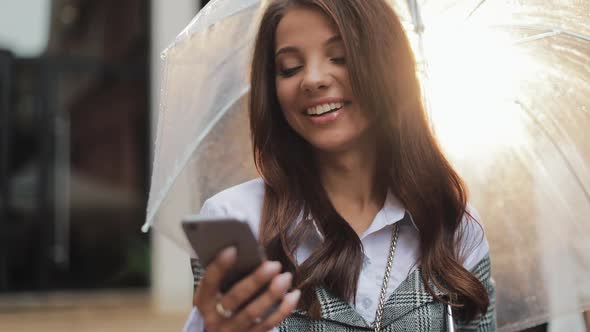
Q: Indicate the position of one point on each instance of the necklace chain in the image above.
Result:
(379, 315)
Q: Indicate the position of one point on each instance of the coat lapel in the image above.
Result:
(335, 309)
(409, 295)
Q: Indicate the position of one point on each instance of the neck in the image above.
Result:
(350, 180)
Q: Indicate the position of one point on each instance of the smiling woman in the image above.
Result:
(356, 203)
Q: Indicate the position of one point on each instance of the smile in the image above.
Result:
(323, 109)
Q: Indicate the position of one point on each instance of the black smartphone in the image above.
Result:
(209, 236)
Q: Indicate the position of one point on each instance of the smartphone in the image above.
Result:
(209, 236)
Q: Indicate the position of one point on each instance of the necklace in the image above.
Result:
(379, 315)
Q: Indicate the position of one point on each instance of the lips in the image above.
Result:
(328, 118)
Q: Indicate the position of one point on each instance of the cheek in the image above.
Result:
(346, 84)
(284, 99)
(287, 96)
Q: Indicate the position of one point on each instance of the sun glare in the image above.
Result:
(473, 80)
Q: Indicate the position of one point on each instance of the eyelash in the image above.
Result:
(292, 71)
(339, 61)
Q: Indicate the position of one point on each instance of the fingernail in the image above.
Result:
(293, 297)
(228, 253)
(272, 267)
(284, 279)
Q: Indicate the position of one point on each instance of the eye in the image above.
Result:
(289, 71)
(339, 61)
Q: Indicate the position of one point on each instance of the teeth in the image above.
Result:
(321, 109)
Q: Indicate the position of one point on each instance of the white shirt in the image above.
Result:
(244, 202)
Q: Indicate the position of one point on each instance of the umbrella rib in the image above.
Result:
(476, 8)
(556, 146)
(415, 13)
(537, 37)
(547, 30)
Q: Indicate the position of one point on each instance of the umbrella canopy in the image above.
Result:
(507, 86)
(508, 89)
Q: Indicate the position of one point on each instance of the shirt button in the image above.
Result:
(366, 263)
(367, 302)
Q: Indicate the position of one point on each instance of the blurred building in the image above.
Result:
(79, 85)
(75, 149)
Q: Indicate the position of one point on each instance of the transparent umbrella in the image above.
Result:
(507, 84)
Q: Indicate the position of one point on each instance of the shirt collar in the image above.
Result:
(392, 212)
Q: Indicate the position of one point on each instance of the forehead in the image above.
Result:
(304, 25)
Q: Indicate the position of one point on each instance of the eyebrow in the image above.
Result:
(292, 49)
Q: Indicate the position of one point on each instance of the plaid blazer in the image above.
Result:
(409, 308)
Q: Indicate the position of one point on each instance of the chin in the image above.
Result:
(331, 146)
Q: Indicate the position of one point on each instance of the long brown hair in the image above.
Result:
(382, 71)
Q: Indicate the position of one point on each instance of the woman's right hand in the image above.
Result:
(249, 318)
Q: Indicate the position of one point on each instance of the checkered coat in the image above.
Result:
(409, 308)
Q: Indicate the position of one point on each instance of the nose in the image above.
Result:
(315, 78)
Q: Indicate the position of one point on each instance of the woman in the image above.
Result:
(356, 205)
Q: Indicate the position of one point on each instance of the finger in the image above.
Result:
(209, 285)
(287, 306)
(247, 287)
(255, 310)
